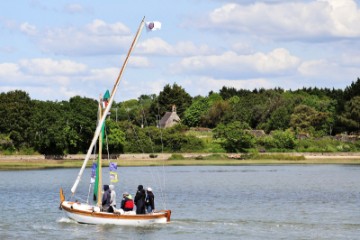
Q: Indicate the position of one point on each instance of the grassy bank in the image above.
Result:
(185, 160)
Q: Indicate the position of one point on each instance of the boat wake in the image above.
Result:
(65, 220)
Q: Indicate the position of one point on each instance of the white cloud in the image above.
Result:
(189, 48)
(74, 8)
(158, 46)
(135, 88)
(289, 20)
(97, 37)
(232, 65)
(139, 62)
(351, 59)
(100, 27)
(28, 29)
(314, 67)
(8, 70)
(155, 46)
(46, 66)
(323, 70)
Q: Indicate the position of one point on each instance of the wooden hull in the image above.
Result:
(84, 213)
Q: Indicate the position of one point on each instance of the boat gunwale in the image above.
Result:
(158, 214)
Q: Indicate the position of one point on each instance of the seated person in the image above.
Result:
(127, 203)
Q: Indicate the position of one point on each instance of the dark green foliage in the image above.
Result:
(215, 115)
(258, 156)
(58, 128)
(15, 110)
(236, 138)
(327, 144)
(193, 114)
(156, 140)
(352, 90)
(82, 122)
(351, 115)
(136, 111)
(284, 139)
(229, 92)
(115, 137)
(308, 119)
(50, 131)
(169, 96)
(6, 144)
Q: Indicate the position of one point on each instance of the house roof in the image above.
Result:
(168, 119)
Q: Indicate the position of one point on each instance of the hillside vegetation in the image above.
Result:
(231, 120)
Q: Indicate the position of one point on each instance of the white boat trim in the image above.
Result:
(88, 214)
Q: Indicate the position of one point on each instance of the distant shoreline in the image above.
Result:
(28, 162)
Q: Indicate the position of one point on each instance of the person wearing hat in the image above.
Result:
(112, 198)
(149, 200)
(140, 200)
(127, 204)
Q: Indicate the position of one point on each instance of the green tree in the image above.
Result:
(15, 111)
(49, 128)
(6, 143)
(351, 116)
(82, 120)
(169, 96)
(115, 137)
(193, 114)
(235, 137)
(130, 111)
(284, 139)
(239, 110)
(215, 114)
(307, 119)
(352, 90)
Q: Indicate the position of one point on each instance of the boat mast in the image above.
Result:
(99, 187)
(107, 109)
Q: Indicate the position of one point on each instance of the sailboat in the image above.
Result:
(83, 212)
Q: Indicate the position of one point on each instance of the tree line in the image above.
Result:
(67, 127)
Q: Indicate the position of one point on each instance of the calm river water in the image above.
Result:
(208, 202)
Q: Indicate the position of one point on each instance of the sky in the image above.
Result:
(54, 50)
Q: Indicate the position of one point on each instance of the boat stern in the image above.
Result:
(168, 215)
(62, 198)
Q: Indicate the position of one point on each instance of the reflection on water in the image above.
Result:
(215, 202)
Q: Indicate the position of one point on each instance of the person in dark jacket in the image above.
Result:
(127, 203)
(140, 200)
(106, 198)
(149, 200)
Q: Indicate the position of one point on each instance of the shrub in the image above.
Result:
(284, 139)
(236, 139)
(176, 157)
(216, 157)
(267, 142)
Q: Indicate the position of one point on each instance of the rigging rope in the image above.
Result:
(153, 170)
(161, 184)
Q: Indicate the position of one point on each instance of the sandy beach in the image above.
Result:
(24, 162)
(165, 156)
